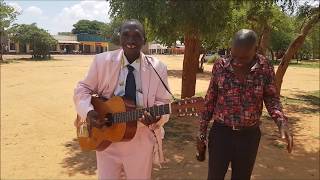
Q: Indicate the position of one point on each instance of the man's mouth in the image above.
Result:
(131, 46)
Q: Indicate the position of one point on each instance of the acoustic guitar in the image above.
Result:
(120, 117)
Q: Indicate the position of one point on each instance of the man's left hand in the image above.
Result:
(285, 134)
(147, 119)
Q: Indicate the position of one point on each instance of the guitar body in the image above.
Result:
(100, 138)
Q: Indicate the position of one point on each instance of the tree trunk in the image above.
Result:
(264, 41)
(190, 64)
(292, 49)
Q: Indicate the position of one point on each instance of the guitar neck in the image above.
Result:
(124, 117)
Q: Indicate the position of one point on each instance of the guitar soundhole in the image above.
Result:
(108, 119)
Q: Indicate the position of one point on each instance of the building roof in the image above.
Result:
(65, 37)
(92, 38)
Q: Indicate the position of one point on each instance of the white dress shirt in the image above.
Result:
(120, 89)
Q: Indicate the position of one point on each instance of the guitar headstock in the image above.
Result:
(188, 106)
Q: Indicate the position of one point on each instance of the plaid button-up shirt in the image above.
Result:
(239, 103)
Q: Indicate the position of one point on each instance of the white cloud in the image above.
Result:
(16, 6)
(91, 10)
(33, 10)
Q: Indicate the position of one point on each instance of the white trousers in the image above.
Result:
(134, 157)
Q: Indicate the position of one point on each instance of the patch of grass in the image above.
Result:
(304, 64)
(315, 93)
(35, 59)
(8, 61)
(202, 94)
(17, 60)
(279, 145)
(213, 58)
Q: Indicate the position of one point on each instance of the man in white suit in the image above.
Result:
(127, 72)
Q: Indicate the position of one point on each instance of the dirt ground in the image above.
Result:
(38, 137)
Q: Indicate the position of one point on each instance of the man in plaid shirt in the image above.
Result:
(234, 101)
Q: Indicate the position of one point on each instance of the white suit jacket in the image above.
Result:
(102, 79)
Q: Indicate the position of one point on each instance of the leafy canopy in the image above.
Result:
(38, 38)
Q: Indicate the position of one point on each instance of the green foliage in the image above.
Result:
(168, 21)
(7, 15)
(311, 46)
(212, 59)
(235, 22)
(109, 30)
(256, 15)
(89, 27)
(112, 31)
(282, 32)
(39, 39)
(314, 37)
(315, 64)
(65, 33)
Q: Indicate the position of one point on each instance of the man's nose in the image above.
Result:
(131, 40)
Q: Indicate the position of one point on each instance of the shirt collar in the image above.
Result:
(260, 60)
(135, 64)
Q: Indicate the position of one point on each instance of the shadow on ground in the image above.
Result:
(273, 161)
(78, 161)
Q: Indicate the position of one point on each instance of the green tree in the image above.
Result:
(282, 31)
(197, 22)
(38, 38)
(311, 17)
(315, 41)
(7, 16)
(90, 27)
(112, 30)
(167, 21)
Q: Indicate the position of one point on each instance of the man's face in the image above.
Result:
(131, 40)
(243, 55)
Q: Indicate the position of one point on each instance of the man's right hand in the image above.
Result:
(93, 120)
(201, 148)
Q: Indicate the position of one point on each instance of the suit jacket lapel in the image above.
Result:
(145, 79)
(113, 71)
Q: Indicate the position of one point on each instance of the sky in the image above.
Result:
(59, 15)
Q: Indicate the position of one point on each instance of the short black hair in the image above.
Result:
(245, 38)
(133, 21)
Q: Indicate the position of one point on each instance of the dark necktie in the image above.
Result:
(130, 91)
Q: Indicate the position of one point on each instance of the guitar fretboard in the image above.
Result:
(134, 115)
